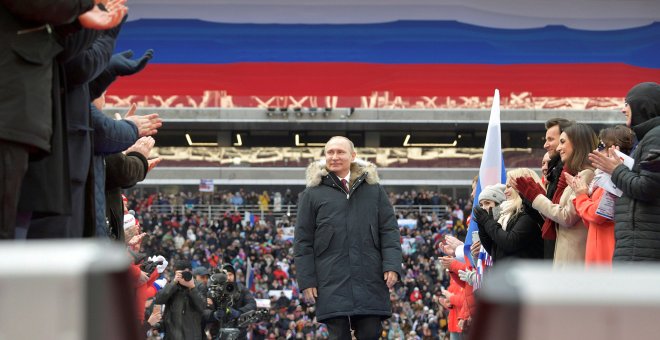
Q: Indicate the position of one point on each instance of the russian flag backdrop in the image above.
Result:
(411, 48)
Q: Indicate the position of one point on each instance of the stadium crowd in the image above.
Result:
(65, 163)
(233, 239)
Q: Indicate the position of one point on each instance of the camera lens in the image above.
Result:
(186, 276)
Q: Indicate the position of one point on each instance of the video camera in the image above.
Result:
(222, 292)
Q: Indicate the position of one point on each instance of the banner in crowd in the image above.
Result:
(277, 293)
(206, 185)
(407, 223)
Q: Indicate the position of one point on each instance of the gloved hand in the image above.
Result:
(468, 276)
(234, 313)
(121, 63)
(651, 162)
(229, 312)
(161, 267)
(528, 188)
(482, 216)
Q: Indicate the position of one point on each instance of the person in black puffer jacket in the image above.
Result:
(514, 233)
(637, 212)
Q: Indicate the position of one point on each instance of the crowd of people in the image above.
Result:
(212, 243)
(593, 206)
(64, 165)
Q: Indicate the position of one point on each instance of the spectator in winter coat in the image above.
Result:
(637, 212)
(600, 225)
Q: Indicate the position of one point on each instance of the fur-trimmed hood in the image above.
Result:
(317, 170)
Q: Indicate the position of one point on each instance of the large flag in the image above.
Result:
(491, 172)
(275, 53)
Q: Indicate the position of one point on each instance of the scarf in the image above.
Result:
(549, 231)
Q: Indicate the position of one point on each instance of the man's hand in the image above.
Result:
(390, 278)
(143, 146)
(153, 162)
(147, 125)
(606, 163)
(209, 302)
(310, 295)
(188, 284)
(98, 19)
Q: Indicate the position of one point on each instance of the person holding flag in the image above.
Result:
(491, 172)
(511, 233)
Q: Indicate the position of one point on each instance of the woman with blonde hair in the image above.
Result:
(515, 234)
(562, 221)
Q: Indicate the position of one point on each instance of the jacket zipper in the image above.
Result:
(341, 187)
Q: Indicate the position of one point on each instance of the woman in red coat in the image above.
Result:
(600, 235)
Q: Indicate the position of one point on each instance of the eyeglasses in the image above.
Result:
(601, 146)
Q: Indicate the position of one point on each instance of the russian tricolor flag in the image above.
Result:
(299, 48)
(491, 171)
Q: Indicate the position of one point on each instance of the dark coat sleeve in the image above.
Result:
(642, 185)
(303, 243)
(516, 236)
(197, 301)
(111, 136)
(125, 171)
(54, 12)
(247, 301)
(164, 295)
(485, 239)
(83, 67)
(389, 235)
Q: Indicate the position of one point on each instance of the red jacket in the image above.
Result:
(142, 293)
(600, 234)
(456, 300)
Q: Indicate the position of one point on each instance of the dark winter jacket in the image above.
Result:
(243, 304)
(521, 239)
(637, 212)
(28, 47)
(121, 172)
(345, 241)
(184, 307)
(110, 136)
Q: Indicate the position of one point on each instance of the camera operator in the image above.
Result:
(242, 302)
(184, 305)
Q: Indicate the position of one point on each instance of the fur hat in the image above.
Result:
(494, 193)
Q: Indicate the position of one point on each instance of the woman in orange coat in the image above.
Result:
(600, 234)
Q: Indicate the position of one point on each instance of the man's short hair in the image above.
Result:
(562, 122)
(182, 265)
(350, 143)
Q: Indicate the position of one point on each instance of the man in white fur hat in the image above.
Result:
(346, 245)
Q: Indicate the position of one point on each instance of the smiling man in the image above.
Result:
(346, 244)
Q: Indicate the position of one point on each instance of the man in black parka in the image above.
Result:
(347, 249)
(637, 212)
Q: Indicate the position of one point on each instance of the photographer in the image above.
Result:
(237, 301)
(184, 305)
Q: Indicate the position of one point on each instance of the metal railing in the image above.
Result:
(218, 211)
